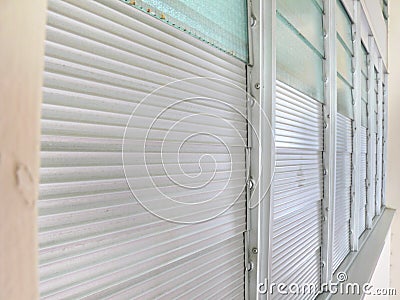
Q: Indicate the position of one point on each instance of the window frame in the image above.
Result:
(264, 60)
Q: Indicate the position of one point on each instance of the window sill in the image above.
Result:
(360, 266)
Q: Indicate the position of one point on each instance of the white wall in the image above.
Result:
(393, 178)
(375, 17)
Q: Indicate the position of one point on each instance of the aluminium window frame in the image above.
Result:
(261, 87)
(261, 76)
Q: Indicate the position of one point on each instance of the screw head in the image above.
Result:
(250, 183)
(251, 101)
(253, 21)
(257, 86)
(250, 266)
(254, 250)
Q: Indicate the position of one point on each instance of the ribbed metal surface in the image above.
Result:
(378, 152)
(298, 189)
(363, 178)
(384, 130)
(374, 142)
(95, 239)
(344, 149)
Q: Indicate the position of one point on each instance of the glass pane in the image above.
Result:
(364, 114)
(297, 64)
(344, 64)
(223, 24)
(320, 3)
(364, 73)
(306, 17)
(364, 88)
(343, 25)
(364, 60)
(344, 98)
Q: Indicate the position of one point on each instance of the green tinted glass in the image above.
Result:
(343, 25)
(344, 98)
(344, 53)
(344, 62)
(364, 88)
(364, 60)
(297, 64)
(222, 24)
(306, 17)
(364, 114)
(300, 48)
(364, 74)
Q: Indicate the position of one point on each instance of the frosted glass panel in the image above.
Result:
(344, 49)
(298, 64)
(343, 25)
(376, 80)
(364, 74)
(364, 114)
(320, 3)
(344, 64)
(364, 88)
(364, 60)
(222, 24)
(344, 98)
(306, 17)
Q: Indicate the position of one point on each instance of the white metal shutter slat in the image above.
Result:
(378, 180)
(102, 58)
(384, 166)
(363, 177)
(344, 149)
(298, 188)
(374, 142)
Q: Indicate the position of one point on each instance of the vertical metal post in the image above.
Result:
(371, 126)
(356, 192)
(330, 110)
(251, 218)
(378, 201)
(261, 86)
(384, 137)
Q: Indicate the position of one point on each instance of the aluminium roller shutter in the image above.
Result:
(384, 130)
(95, 239)
(378, 183)
(362, 219)
(298, 188)
(298, 185)
(344, 136)
(374, 138)
(363, 177)
(344, 149)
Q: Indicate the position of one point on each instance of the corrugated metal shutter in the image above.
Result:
(374, 143)
(344, 149)
(378, 153)
(363, 168)
(96, 241)
(363, 177)
(384, 130)
(344, 136)
(298, 188)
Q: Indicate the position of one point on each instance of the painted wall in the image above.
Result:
(393, 176)
(378, 25)
(21, 64)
